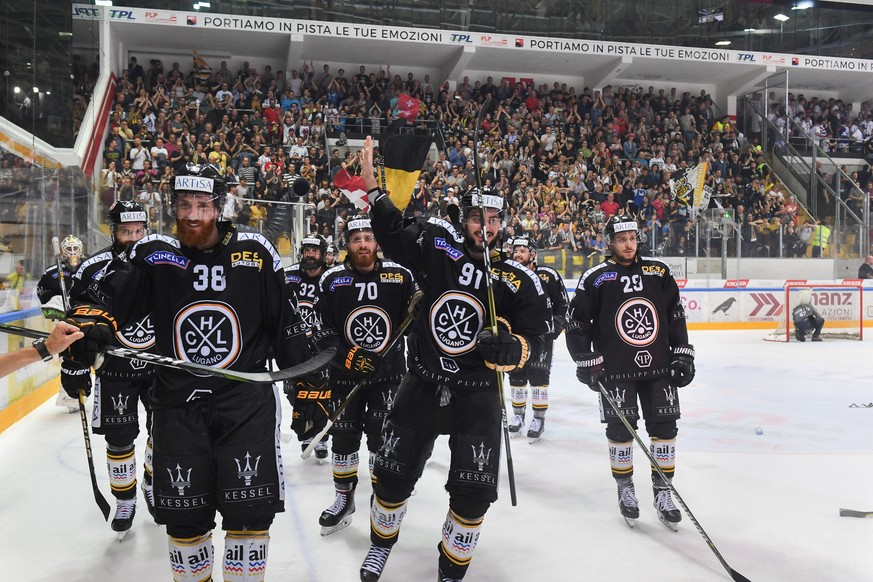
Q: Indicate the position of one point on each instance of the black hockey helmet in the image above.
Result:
(199, 179)
(524, 241)
(471, 198)
(619, 223)
(315, 241)
(124, 211)
(357, 224)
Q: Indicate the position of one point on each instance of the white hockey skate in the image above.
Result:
(339, 515)
(627, 501)
(125, 509)
(667, 512)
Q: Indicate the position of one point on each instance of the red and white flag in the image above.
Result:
(408, 107)
(353, 188)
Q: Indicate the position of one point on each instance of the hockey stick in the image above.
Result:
(311, 365)
(855, 513)
(733, 573)
(98, 496)
(411, 311)
(492, 311)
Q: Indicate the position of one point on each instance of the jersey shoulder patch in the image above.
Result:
(590, 272)
(259, 238)
(447, 226)
(334, 273)
(138, 247)
(527, 272)
(97, 262)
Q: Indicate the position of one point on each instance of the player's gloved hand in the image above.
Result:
(99, 328)
(682, 365)
(361, 362)
(589, 369)
(75, 377)
(504, 351)
(311, 403)
(558, 325)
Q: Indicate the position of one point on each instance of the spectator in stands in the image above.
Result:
(866, 269)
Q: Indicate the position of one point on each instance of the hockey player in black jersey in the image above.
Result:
(217, 297)
(451, 385)
(537, 372)
(51, 298)
(362, 303)
(806, 319)
(120, 383)
(627, 330)
(309, 400)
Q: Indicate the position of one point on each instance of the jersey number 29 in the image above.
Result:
(632, 283)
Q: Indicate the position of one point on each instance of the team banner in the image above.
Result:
(691, 189)
(403, 156)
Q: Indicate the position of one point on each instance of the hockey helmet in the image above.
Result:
(124, 211)
(524, 241)
(199, 179)
(471, 199)
(620, 223)
(357, 224)
(314, 241)
(72, 250)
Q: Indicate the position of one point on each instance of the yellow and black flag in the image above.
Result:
(403, 156)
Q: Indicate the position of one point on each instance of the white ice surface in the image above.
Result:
(769, 502)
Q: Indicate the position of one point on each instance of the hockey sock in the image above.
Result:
(519, 399)
(121, 463)
(147, 487)
(345, 468)
(539, 396)
(245, 555)
(621, 459)
(664, 452)
(460, 536)
(191, 558)
(385, 520)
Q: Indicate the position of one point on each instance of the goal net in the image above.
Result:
(841, 306)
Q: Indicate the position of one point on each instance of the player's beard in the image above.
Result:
(310, 264)
(195, 237)
(362, 263)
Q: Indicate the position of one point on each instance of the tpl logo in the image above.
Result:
(117, 14)
(456, 37)
(746, 58)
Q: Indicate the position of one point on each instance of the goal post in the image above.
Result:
(841, 306)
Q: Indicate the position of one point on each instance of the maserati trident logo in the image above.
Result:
(119, 404)
(480, 456)
(246, 473)
(179, 481)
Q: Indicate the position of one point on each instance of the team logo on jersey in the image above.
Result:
(481, 457)
(167, 258)
(636, 322)
(179, 481)
(308, 314)
(368, 327)
(207, 333)
(247, 472)
(611, 276)
(455, 321)
(139, 335)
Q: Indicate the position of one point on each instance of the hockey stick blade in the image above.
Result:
(855, 513)
(411, 312)
(314, 364)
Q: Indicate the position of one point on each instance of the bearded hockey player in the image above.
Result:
(537, 372)
(363, 301)
(309, 401)
(452, 383)
(627, 330)
(120, 383)
(217, 297)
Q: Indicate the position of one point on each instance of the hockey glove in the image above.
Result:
(75, 377)
(362, 363)
(589, 369)
(311, 403)
(503, 352)
(682, 365)
(99, 328)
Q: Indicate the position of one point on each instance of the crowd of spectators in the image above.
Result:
(565, 161)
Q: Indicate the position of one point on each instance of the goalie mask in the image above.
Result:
(72, 251)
